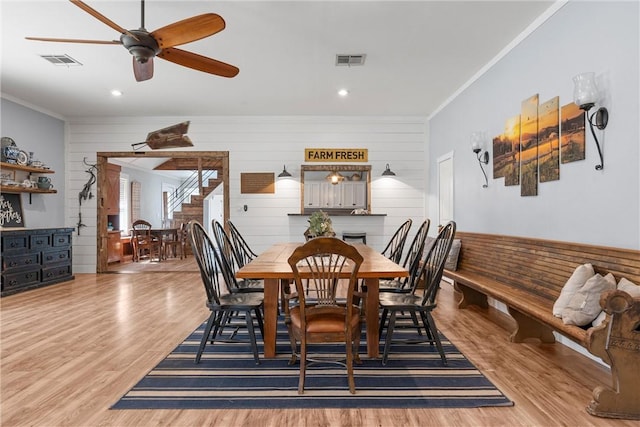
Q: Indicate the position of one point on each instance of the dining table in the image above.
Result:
(272, 266)
(162, 233)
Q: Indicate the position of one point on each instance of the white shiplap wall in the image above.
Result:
(265, 144)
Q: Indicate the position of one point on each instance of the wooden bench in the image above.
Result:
(527, 275)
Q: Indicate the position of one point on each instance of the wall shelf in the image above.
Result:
(29, 169)
(21, 189)
(17, 189)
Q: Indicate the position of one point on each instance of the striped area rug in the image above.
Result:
(227, 377)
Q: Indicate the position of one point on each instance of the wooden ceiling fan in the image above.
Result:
(145, 45)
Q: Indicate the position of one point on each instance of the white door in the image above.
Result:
(445, 188)
(215, 211)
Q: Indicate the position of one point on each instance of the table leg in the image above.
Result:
(271, 288)
(372, 317)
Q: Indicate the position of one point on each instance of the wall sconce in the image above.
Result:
(585, 95)
(477, 143)
(388, 172)
(284, 173)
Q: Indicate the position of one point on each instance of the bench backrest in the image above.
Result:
(541, 266)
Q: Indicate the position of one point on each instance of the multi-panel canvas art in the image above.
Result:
(529, 147)
(535, 143)
(512, 134)
(572, 133)
(549, 141)
(506, 153)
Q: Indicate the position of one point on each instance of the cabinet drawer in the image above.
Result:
(23, 260)
(14, 243)
(56, 272)
(19, 279)
(39, 241)
(52, 257)
(62, 239)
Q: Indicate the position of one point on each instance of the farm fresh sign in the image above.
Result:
(336, 155)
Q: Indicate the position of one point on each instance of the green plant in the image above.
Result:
(320, 224)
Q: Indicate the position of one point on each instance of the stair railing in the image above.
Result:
(190, 186)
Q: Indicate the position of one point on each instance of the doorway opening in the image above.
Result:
(445, 188)
(199, 163)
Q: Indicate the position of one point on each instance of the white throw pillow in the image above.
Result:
(428, 244)
(584, 306)
(452, 259)
(623, 285)
(629, 287)
(580, 275)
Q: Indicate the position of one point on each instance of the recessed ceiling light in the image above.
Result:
(116, 92)
(343, 92)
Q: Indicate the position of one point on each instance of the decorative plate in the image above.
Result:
(22, 158)
(6, 142)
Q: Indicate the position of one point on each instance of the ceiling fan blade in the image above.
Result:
(198, 62)
(49, 39)
(100, 17)
(188, 30)
(143, 70)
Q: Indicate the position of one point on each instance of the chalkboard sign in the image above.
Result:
(11, 210)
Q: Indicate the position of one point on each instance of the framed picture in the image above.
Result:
(11, 210)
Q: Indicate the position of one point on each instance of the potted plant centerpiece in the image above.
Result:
(319, 225)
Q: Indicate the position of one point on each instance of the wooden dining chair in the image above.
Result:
(244, 254)
(431, 269)
(223, 241)
(411, 262)
(224, 307)
(394, 248)
(183, 237)
(171, 245)
(229, 263)
(143, 242)
(322, 264)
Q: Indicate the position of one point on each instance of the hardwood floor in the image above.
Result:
(187, 264)
(70, 350)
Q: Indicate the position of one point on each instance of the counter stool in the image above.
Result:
(355, 235)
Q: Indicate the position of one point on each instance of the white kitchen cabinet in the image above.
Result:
(312, 192)
(354, 195)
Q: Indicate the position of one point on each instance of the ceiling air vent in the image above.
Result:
(61, 60)
(350, 60)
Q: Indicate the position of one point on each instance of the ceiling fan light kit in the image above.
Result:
(141, 45)
(144, 45)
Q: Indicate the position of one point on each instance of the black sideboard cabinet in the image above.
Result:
(32, 258)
